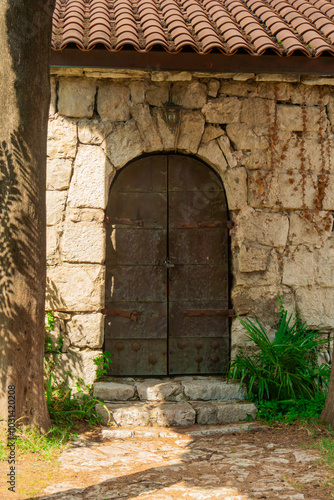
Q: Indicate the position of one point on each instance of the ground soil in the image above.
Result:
(310, 479)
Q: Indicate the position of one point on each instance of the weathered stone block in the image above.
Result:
(211, 132)
(167, 134)
(93, 131)
(146, 122)
(158, 390)
(62, 138)
(230, 155)
(272, 77)
(52, 244)
(257, 111)
(252, 258)
(213, 87)
(315, 305)
(212, 154)
(256, 160)
(270, 276)
(55, 204)
(328, 201)
(113, 102)
(76, 97)
(113, 391)
(80, 364)
(171, 76)
(325, 264)
(243, 77)
(206, 413)
(123, 144)
(210, 389)
(53, 97)
(137, 89)
(191, 131)
(235, 184)
(75, 287)
(86, 330)
(310, 228)
(89, 184)
(264, 228)
(84, 242)
(299, 267)
(260, 300)
(174, 414)
(58, 174)
(190, 95)
(157, 94)
(292, 118)
(222, 110)
(244, 136)
(233, 412)
(134, 414)
(85, 214)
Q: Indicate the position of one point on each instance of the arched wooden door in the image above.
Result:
(167, 269)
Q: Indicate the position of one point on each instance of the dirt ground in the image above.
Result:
(272, 463)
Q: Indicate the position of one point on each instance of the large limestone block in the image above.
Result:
(253, 258)
(173, 414)
(213, 155)
(222, 110)
(90, 181)
(233, 412)
(167, 134)
(113, 102)
(225, 146)
(86, 330)
(264, 228)
(310, 228)
(206, 413)
(93, 131)
(79, 364)
(75, 287)
(85, 214)
(211, 132)
(213, 87)
(244, 136)
(157, 94)
(325, 264)
(55, 205)
(261, 300)
(190, 95)
(123, 144)
(158, 390)
(292, 118)
(278, 77)
(134, 414)
(256, 160)
(137, 90)
(58, 174)
(191, 131)
(52, 244)
(315, 305)
(269, 276)
(171, 76)
(299, 267)
(84, 242)
(76, 97)
(235, 184)
(210, 389)
(147, 127)
(62, 138)
(257, 111)
(113, 391)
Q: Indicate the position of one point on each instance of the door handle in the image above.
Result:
(169, 264)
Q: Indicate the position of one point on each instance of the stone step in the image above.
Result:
(175, 414)
(176, 389)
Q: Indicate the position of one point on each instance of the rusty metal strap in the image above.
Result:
(133, 315)
(217, 312)
(213, 223)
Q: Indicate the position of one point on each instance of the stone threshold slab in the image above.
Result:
(195, 431)
(170, 414)
(175, 389)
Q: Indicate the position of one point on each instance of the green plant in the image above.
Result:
(102, 362)
(284, 368)
(49, 346)
(290, 411)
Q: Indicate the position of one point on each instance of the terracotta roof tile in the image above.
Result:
(255, 26)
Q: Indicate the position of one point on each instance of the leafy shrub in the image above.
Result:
(283, 368)
(291, 410)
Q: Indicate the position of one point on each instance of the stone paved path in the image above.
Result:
(257, 464)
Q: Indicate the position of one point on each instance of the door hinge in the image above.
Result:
(133, 315)
(230, 313)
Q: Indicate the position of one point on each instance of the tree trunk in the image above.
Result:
(327, 414)
(25, 40)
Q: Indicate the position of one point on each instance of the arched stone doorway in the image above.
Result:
(167, 290)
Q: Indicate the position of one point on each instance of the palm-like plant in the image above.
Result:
(285, 367)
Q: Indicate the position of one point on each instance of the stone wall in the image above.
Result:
(269, 137)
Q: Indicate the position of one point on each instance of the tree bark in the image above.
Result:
(327, 414)
(25, 40)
